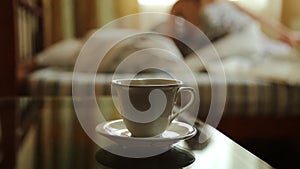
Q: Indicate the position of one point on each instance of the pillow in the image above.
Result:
(65, 53)
(137, 44)
(141, 43)
(61, 54)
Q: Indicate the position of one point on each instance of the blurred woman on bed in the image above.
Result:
(233, 30)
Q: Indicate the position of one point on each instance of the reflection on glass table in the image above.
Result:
(53, 138)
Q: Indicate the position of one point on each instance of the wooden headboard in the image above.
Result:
(29, 21)
(21, 36)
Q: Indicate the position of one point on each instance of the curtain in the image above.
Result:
(74, 18)
(109, 10)
(58, 20)
(91, 14)
(291, 14)
(85, 16)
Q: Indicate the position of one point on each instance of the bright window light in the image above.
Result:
(156, 2)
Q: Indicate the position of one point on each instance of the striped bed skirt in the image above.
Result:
(245, 96)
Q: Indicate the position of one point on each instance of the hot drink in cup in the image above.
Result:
(146, 105)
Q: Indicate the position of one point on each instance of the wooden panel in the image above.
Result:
(9, 51)
(9, 55)
(8, 140)
(19, 22)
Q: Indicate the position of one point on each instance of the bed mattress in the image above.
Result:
(245, 96)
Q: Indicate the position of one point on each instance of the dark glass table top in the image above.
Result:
(48, 135)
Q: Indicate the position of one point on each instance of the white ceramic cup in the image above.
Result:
(147, 105)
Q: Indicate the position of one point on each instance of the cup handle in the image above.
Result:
(191, 101)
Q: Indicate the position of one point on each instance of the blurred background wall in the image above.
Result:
(291, 14)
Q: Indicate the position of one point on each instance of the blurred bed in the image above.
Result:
(267, 89)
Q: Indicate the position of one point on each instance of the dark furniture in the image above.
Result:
(21, 38)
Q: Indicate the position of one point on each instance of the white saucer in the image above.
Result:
(117, 132)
